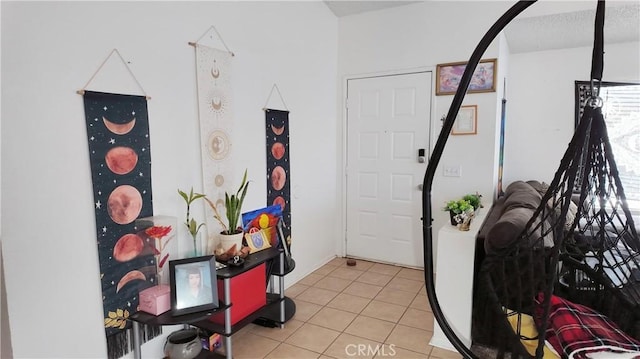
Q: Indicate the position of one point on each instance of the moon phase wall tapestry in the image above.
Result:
(278, 170)
(215, 110)
(120, 158)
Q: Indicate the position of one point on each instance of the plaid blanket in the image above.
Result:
(575, 331)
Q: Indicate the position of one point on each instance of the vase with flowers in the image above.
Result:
(232, 232)
(192, 225)
(160, 235)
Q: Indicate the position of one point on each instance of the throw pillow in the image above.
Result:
(507, 229)
(575, 330)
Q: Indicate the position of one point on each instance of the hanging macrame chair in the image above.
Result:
(591, 259)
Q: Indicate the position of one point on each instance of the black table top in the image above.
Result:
(167, 318)
(251, 261)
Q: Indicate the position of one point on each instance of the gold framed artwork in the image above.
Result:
(257, 240)
(448, 77)
(466, 122)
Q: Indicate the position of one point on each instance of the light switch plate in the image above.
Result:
(452, 171)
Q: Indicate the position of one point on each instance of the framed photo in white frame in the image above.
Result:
(466, 122)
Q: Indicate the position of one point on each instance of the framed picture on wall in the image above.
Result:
(466, 122)
(448, 77)
(193, 285)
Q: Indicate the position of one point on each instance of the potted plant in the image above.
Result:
(192, 225)
(457, 208)
(232, 231)
(474, 200)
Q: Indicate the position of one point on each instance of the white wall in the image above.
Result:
(51, 49)
(539, 86)
(540, 107)
(423, 35)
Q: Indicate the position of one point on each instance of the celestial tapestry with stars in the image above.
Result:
(119, 151)
(278, 171)
(215, 111)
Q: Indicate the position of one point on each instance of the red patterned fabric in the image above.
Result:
(574, 327)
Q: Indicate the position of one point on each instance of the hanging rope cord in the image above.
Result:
(492, 33)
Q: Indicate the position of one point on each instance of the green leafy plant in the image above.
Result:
(233, 207)
(474, 200)
(192, 225)
(458, 206)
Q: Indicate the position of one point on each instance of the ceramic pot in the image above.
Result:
(452, 218)
(183, 344)
(228, 240)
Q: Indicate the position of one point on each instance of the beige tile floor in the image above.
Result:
(370, 310)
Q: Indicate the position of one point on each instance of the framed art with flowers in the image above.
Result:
(448, 77)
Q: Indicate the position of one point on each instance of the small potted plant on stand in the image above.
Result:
(192, 225)
(457, 209)
(474, 200)
(232, 232)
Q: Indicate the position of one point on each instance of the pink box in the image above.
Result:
(155, 300)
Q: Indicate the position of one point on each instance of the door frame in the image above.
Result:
(342, 151)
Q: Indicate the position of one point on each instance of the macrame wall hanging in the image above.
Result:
(120, 159)
(215, 110)
(278, 169)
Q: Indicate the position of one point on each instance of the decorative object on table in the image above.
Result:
(278, 169)
(448, 77)
(192, 225)
(155, 300)
(467, 121)
(289, 263)
(216, 116)
(462, 210)
(457, 209)
(466, 221)
(232, 233)
(193, 285)
(474, 199)
(269, 221)
(236, 261)
(157, 233)
(257, 241)
(211, 342)
(183, 344)
(224, 257)
(264, 219)
(120, 159)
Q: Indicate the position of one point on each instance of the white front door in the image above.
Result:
(388, 121)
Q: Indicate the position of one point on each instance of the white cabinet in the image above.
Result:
(455, 258)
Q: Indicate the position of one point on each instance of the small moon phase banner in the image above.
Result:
(120, 159)
(278, 170)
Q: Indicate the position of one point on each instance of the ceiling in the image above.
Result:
(345, 7)
(558, 24)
